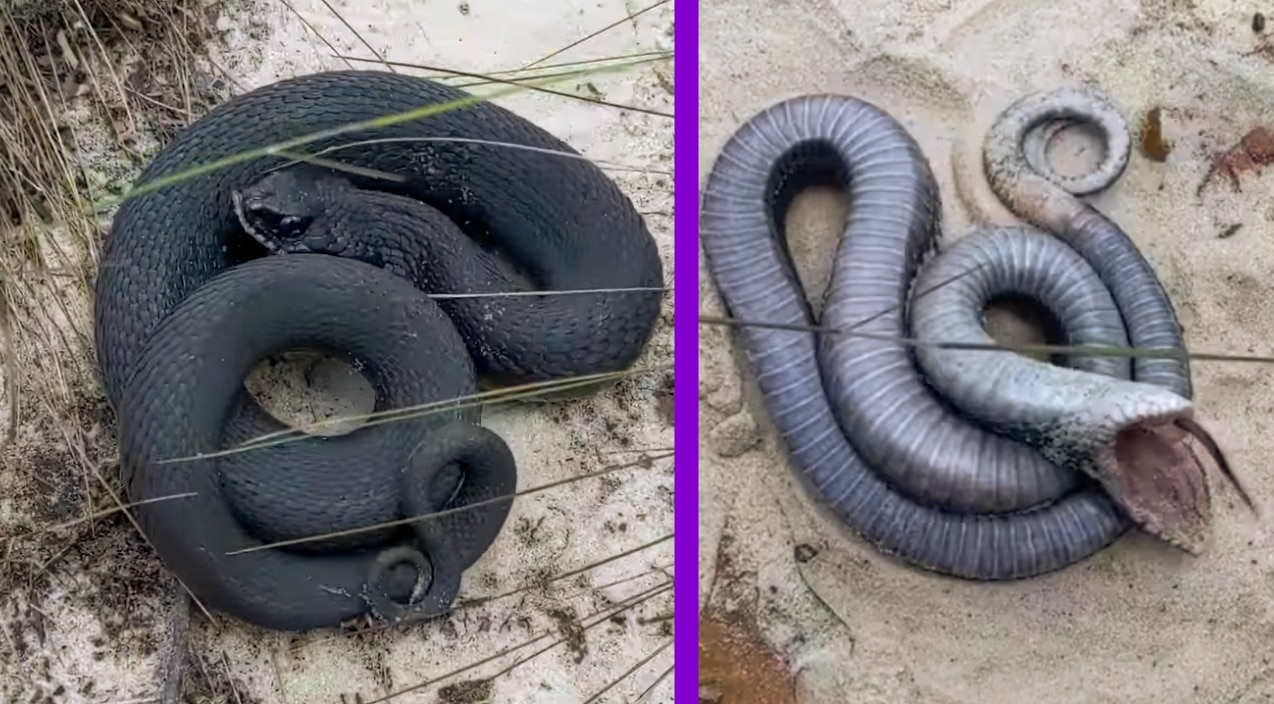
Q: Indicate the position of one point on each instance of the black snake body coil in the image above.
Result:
(180, 320)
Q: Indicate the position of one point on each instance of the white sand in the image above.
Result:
(1139, 622)
(69, 643)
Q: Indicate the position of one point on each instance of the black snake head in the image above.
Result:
(279, 209)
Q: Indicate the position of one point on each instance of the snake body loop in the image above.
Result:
(860, 423)
(1048, 202)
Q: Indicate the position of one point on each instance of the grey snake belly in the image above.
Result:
(988, 485)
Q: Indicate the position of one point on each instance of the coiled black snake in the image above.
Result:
(181, 318)
(999, 489)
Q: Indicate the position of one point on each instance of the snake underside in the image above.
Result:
(980, 483)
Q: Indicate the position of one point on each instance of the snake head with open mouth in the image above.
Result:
(1152, 471)
(1136, 439)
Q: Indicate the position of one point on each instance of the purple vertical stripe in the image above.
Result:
(686, 352)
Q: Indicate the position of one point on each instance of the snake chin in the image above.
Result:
(1153, 472)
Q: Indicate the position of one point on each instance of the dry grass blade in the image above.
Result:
(487, 78)
(298, 157)
(591, 621)
(313, 31)
(447, 512)
(365, 125)
(652, 54)
(484, 398)
(572, 292)
(597, 33)
(636, 666)
(617, 556)
(661, 569)
(477, 602)
(9, 368)
(630, 60)
(1073, 350)
(366, 44)
(629, 451)
(465, 140)
(659, 680)
(117, 509)
(543, 72)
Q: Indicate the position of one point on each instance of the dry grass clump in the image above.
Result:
(88, 88)
(130, 61)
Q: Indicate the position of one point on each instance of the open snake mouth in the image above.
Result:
(1153, 471)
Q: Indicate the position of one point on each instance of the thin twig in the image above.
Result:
(524, 82)
(636, 666)
(599, 32)
(445, 512)
(1072, 350)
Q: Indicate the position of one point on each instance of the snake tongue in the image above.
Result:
(1151, 471)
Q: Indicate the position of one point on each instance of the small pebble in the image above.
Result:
(735, 435)
(1258, 23)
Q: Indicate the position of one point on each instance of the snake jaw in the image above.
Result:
(1151, 471)
(246, 209)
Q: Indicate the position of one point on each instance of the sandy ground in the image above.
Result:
(89, 611)
(816, 613)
